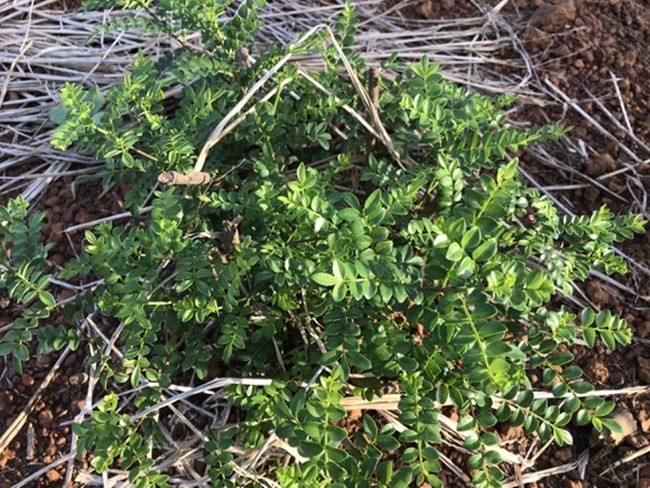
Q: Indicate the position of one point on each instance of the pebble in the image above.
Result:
(573, 484)
(563, 454)
(6, 401)
(637, 441)
(27, 379)
(597, 370)
(43, 362)
(45, 417)
(627, 422)
(643, 329)
(53, 475)
(644, 369)
(644, 420)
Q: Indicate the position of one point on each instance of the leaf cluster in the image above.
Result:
(318, 259)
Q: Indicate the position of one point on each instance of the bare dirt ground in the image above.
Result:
(580, 46)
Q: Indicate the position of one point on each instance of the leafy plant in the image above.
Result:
(332, 256)
(23, 279)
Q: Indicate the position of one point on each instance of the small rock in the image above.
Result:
(53, 475)
(45, 417)
(635, 352)
(563, 454)
(81, 217)
(628, 425)
(66, 294)
(78, 379)
(199, 466)
(617, 379)
(554, 18)
(643, 329)
(27, 379)
(43, 362)
(50, 202)
(508, 432)
(354, 415)
(57, 259)
(6, 402)
(597, 370)
(534, 38)
(637, 441)
(644, 369)
(426, 9)
(56, 232)
(573, 484)
(644, 420)
(598, 294)
(70, 361)
(601, 165)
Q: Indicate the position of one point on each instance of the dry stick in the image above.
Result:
(43, 470)
(92, 381)
(23, 49)
(377, 123)
(373, 89)
(539, 475)
(609, 115)
(384, 402)
(627, 459)
(215, 383)
(58, 174)
(549, 161)
(531, 460)
(621, 104)
(494, 16)
(110, 345)
(643, 205)
(216, 132)
(450, 424)
(110, 218)
(590, 119)
(221, 130)
(71, 25)
(46, 69)
(455, 469)
(357, 116)
(201, 178)
(399, 427)
(273, 436)
(172, 178)
(18, 423)
(5, 85)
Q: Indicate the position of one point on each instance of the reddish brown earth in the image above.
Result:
(64, 397)
(576, 44)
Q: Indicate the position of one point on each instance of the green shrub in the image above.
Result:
(328, 260)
